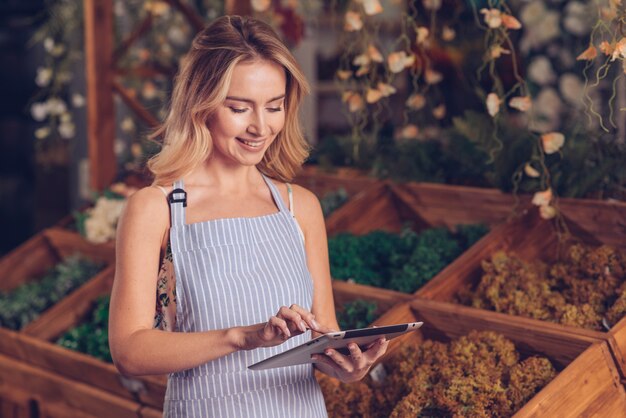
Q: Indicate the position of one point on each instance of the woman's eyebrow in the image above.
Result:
(243, 99)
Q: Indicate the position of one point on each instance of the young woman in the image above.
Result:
(239, 256)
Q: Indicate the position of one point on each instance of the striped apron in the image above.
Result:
(233, 272)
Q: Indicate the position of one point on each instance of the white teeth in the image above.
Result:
(251, 144)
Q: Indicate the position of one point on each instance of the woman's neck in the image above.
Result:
(224, 178)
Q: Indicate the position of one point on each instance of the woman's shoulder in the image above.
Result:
(305, 202)
(149, 203)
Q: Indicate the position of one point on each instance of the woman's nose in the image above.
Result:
(258, 125)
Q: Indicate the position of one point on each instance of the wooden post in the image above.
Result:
(238, 7)
(100, 108)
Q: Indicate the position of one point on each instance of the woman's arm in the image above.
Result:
(137, 348)
(347, 368)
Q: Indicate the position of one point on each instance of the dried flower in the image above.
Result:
(398, 61)
(606, 48)
(344, 74)
(493, 17)
(416, 101)
(354, 100)
(42, 133)
(493, 104)
(521, 103)
(448, 34)
(78, 100)
(67, 130)
(510, 22)
(39, 111)
(531, 171)
(440, 111)
(431, 4)
(372, 7)
(542, 198)
(44, 75)
(552, 142)
(56, 106)
(408, 132)
(422, 34)
(373, 95)
(149, 90)
(353, 22)
(547, 211)
(497, 51)
(260, 5)
(540, 71)
(620, 49)
(588, 54)
(374, 54)
(432, 77)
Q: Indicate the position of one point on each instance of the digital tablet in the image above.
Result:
(338, 340)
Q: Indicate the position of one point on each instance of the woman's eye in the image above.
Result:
(275, 109)
(237, 110)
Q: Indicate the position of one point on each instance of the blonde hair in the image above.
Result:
(202, 85)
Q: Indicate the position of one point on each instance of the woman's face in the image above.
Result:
(247, 123)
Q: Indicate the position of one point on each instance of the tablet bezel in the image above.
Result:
(337, 340)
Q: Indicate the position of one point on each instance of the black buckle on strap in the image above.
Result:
(175, 197)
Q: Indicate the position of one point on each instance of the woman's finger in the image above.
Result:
(281, 324)
(377, 349)
(307, 317)
(293, 317)
(342, 361)
(359, 360)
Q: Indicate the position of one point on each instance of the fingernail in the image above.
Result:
(303, 326)
(327, 352)
(315, 324)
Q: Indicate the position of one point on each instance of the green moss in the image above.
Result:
(357, 314)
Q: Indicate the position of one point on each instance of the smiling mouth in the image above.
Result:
(253, 144)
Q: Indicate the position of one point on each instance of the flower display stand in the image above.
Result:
(588, 382)
(322, 182)
(531, 238)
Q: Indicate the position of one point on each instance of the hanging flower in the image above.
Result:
(78, 100)
(260, 5)
(547, 212)
(128, 125)
(373, 95)
(440, 111)
(344, 74)
(149, 90)
(354, 100)
(416, 101)
(372, 7)
(620, 49)
(431, 4)
(363, 62)
(541, 72)
(493, 17)
(157, 7)
(48, 44)
(542, 198)
(552, 142)
(407, 132)
(386, 89)
(588, 54)
(606, 48)
(67, 130)
(374, 54)
(493, 104)
(521, 103)
(39, 111)
(510, 22)
(531, 171)
(42, 133)
(497, 51)
(398, 61)
(432, 77)
(353, 22)
(56, 106)
(44, 75)
(448, 34)
(422, 35)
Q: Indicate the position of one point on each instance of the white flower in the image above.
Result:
(98, 231)
(398, 61)
(578, 19)
(78, 100)
(42, 133)
(44, 75)
(119, 146)
(48, 44)
(127, 125)
(109, 210)
(493, 17)
(540, 71)
(546, 111)
(533, 13)
(58, 50)
(541, 26)
(67, 130)
(493, 104)
(521, 103)
(260, 5)
(353, 22)
(56, 106)
(372, 7)
(66, 117)
(572, 89)
(177, 36)
(39, 111)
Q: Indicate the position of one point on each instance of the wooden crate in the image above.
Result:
(38, 348)
(321, 182)
(532, 238)
(52, 396)
(588, 383)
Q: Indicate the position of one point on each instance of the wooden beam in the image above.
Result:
(100, 107)
(192, 16)
(135, 105)
(238, 7)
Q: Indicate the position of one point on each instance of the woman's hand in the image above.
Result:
(354, 367)
(287, 323)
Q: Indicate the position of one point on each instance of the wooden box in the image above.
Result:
(588, 380)
(322, 182)
(532, 238)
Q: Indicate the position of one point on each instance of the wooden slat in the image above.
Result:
(192, 16)
(99, 78)
(31, 259)
(67, 243)
(321, 183)
(50, 388)
(588, 385)
(385, 299)
(134, 105)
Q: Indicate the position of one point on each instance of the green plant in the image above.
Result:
(92, 336)
(359, 313)
(26, 302)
